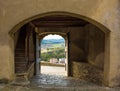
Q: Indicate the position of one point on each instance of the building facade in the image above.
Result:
(92, 29)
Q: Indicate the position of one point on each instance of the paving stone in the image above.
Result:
(48, 82)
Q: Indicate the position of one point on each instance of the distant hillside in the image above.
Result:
(52, 41)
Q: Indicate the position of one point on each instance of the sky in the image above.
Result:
(52, 37)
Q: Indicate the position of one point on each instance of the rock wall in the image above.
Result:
(87, 72)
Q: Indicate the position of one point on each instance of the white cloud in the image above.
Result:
(53, 37)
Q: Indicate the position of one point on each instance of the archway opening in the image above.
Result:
(87, 45)
(53, 55)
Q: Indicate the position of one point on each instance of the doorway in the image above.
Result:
(82, 44)
(53, 54)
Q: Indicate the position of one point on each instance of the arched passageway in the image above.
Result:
(87, 45)
(53, 55)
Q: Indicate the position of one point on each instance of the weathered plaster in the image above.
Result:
(105, 12)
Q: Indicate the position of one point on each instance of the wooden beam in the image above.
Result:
(58, 23)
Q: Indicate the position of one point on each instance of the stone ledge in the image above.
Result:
(51, 64)
(87, 72)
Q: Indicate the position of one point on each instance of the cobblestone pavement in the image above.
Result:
(52, 82)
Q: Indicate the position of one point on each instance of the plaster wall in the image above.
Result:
(95, 46)
(105, 12)
(76, 44)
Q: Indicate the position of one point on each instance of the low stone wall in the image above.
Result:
(51, 64)
(87, 72)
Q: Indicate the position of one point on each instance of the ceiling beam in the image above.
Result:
(58, 23)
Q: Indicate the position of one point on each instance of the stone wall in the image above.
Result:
(87, 72)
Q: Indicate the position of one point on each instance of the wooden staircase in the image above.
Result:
(20, 63)
(20, 60)
(24, 62)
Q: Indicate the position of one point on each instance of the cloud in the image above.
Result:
(53, 37)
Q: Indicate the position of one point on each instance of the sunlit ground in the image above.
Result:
(53, 70)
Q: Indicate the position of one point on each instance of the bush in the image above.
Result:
(53, 53)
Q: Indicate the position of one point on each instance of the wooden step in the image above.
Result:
(19, 71)
(19, 58)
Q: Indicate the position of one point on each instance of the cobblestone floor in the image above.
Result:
(56, 82)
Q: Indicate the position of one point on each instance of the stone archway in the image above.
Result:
(65, 37)
(93, 23)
